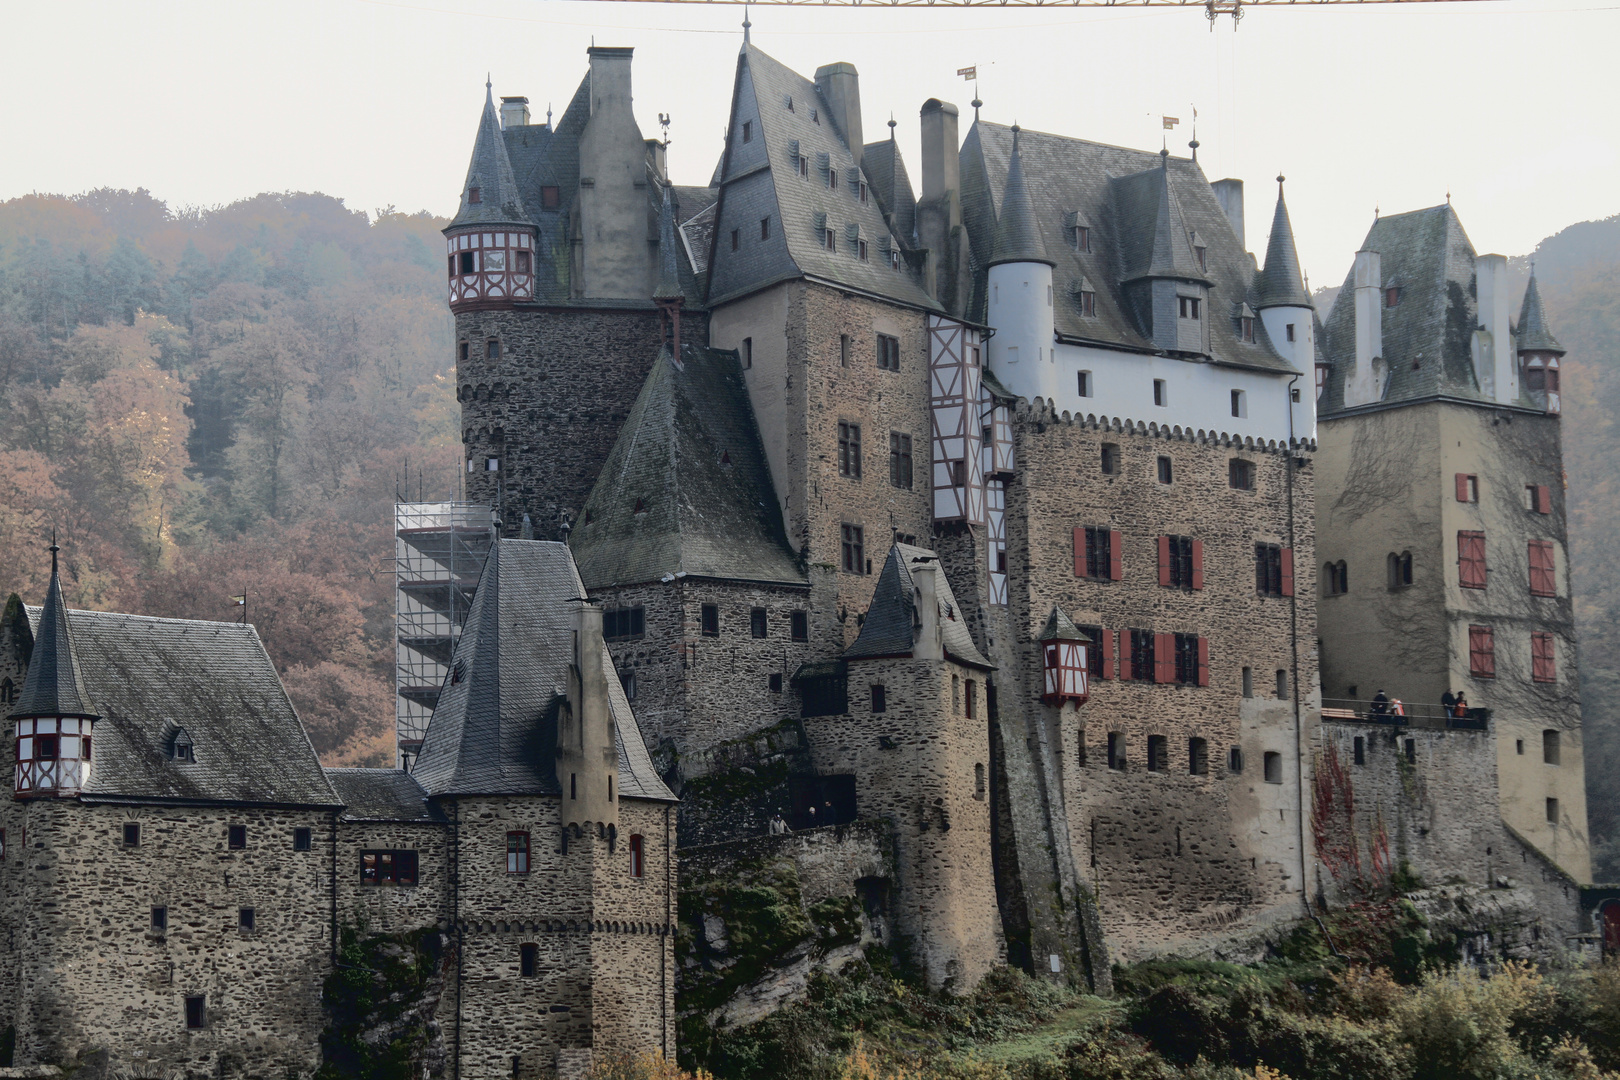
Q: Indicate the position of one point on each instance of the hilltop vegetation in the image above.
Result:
(210, 401)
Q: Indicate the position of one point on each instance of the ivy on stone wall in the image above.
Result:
(379, 1005)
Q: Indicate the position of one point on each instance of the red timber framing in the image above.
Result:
(490, 268)
(954, 368)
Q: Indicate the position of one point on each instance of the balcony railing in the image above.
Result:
(1411, 714)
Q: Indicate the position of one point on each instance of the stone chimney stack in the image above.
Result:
(613, 260)
(939, 210)
(840, 86)
(514, 112)
(941, 160)
(1362, 387)
(929, 645)
(1494, 362)
(587, 759)
(1229, 193)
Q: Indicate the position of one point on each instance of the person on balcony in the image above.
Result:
(1397, 707)
(1448, 701)
(1460, 708)
(1380, 704)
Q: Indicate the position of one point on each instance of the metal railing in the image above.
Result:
(1411, 714)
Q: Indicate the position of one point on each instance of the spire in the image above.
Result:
(1059, 627)
(669, 278)
(55, 684)
(1281, 284)
(489, 177)
(1533, 333)
(1017, 238)
(1172, 254)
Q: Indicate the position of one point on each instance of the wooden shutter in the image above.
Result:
(1125, 673)
(1203, 661)
(1116, 559)
(1481, 652)
(1164, 560)
(1079, 552)
(1543, 499)
(1543, 576)
(1107, 655)
(1543, 664)
(1198, 564)
(1462, 487)
(1164, 658)
(1471, 559)
(1288, 571)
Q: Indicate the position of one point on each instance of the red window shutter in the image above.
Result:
(1079, 553)
(1471, 560)
(1116, 557)
(1198, 564)
(1543, 663)
(1125, 655)
(1164, 560)
(1164, 658)
(1543, 499)
(1543, 576)
(1462, 487)
(1481, 652)
(1288, 571)
(1107, 655)
(1203, 661)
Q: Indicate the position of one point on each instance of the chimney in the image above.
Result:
(928, 644)
(610, 78)
(1229, 193)
(941, 160)
(514, 112)
(840, 86)
(1362, 387)
(587, 759)
(1495, 363)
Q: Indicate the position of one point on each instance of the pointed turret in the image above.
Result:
(669, 276)
(1281, 284)
(490, 242)
(1059, 627)
(490, 194)
(1533, 333)
(54, 713)
(1172, 252)
(1539, 353)
(1017, 238)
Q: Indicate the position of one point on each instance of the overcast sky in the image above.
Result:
(1507, 104)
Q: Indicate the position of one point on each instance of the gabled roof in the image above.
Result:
(1533, 334)
(494, 731)
(383, 795)
(886, 175)
(153, 678)
(1427, 334)
(490, 171)
(1059, 627)
(888, 629)
(685, 489)
(1073, 177)
(1281, 283)
(1017, 238)
(760, 179)
(54, 685)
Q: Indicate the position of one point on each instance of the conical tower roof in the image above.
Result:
(1533, 333)
(1059, 627)
(669, 276)
(1017, 238)
(1281, 283)
(490, 172)
(1172, 254)
(55, 684)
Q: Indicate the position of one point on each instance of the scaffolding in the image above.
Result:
(439, 552)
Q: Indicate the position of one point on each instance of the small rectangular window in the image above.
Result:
(1552, 811)
(1161, 393)
(804, 167)
(829, 240)
(971, 700)
(756, 622)
(888, 352)
(1282, 684)
(1197, 757)
(1240, 474)
(468, 265)
(624, 624)
(900, 460)
(880, 698)
(236, 837)
(1116, 751)
(197, 1008)
(854, 549)
(1248, 682)
(774, 682)
(462, 350)
(390, 867)
(1100, 555)
(1234, 761)
(1084, 381)
(1289, 331)
(799, 625)
(637, 855)
(1467, 488)
(528, 960)
(523, 262)
(1110, 459)
(244, 918)
(711, 620)
(1189, 307)
(492, 349)
(132, 834)
(860, 249)
(1273, 767)
(1157, 750)
(1166, 473)
(832, 179)
(764, 228)
(1144, 645)
(748, 131)
(1240, 404)
(1246, 330)
(843, 350)
(1549, 747)
(1269, 571)
(492, 464)
(849, 450)
(517, 853)
(1088, 304)
(747, 353)
(550, 197)
(736, 239)
(160, 919)
(1361, 750)
(1082, 238)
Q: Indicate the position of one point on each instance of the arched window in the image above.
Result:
(1335, 578)
(1400, 569)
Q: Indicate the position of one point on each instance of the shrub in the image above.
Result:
(1459, 1025)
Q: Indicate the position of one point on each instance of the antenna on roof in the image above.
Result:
(1194, 143)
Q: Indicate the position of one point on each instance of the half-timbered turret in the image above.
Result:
(1539, 352)
(490, 244)
(54, 713)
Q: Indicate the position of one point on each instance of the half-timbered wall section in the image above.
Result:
(954, 368)
(487, 267)
(997, 458)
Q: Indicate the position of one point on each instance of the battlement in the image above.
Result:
(1041, 411)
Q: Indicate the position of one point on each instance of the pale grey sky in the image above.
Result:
(1508, 105)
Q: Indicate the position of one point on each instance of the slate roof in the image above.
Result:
(1281, 283)
(54, 685)
(669, 277)
(760, 178)
(1017, 238)
(490, 170)
(686, 489)
(1533, 334)
(886, 176)
(1059, 627)
(151, 678)
(1428, 256)
(888, 627)
(1117, 193)
(383, 795)
(494, 731)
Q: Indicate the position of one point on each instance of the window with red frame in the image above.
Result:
(1471, 560)
(517, 853)
(1481, 652)
(637, 866)
(1543, 576)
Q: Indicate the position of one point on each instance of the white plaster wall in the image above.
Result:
(1301, 352)
(1022, 349)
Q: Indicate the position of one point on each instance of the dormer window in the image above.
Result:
(865, 195)
(832, 179)
(1082, 238)
(1088, 304)
(1203, 257)
(475, 195)
(748, 131)
(550, 197)
(183, 748)
(815, 116)
(829, 240)
(1189, 306)
(1392, 296)
(894, 258)
(790, 104)
(804, 167)
(1246, 328)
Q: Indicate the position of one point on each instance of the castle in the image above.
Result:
(1047, 689)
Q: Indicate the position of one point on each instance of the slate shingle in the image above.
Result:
(888, 627)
